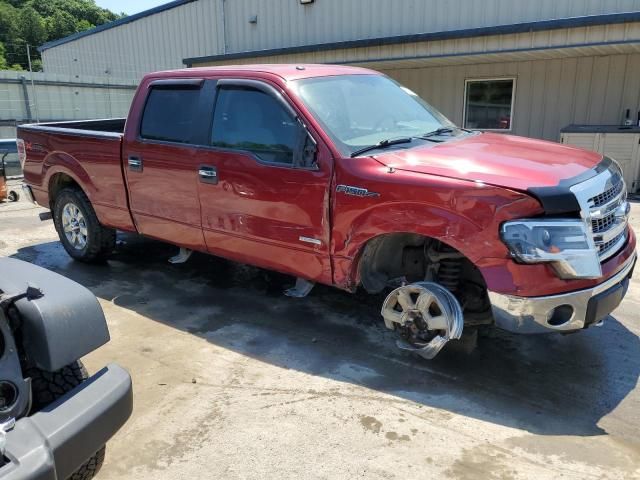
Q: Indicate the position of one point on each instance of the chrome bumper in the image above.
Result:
(560, 313)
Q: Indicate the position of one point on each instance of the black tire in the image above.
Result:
(47, 387)
(100, 240)
(13, 196)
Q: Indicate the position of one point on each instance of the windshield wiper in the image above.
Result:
(382, 144)
(437, 132)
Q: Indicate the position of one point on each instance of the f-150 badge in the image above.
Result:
(356, 191)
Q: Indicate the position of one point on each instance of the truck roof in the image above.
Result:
(290, 71)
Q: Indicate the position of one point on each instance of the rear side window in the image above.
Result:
(170, 114)
(251, 120)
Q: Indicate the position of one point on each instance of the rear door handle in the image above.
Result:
(208, 174)
(135, 163)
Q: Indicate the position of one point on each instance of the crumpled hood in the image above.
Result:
(504, 160)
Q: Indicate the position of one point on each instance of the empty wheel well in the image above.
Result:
(392, 259)
(58, 182)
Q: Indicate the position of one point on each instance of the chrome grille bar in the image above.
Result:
(604, 207)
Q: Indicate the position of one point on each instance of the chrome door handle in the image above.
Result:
(208, 174)
(135, 163)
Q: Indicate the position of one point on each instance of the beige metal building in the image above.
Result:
(528, 67)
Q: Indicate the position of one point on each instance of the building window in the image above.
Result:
(489, 103)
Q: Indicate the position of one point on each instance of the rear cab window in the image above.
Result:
(171, 113)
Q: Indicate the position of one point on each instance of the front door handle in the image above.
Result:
(135, 163)
(208, 174)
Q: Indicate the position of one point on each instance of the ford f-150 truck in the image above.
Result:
(340, 175)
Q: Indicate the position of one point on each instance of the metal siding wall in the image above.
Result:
(550, 94)
(152, 43)
(68, 98)
(284, 23)
(162, 40)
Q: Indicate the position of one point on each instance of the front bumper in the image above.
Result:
(55, 442)
(561, 313)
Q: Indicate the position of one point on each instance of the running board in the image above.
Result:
(301, 288)
(182, 256)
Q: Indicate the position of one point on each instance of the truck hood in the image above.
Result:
(508, 161)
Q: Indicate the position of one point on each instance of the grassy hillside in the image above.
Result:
(34, 22)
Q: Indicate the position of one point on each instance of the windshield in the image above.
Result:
(361, 110)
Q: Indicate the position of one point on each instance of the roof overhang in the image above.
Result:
(576, 36)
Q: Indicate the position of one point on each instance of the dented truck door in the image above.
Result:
(264, 182)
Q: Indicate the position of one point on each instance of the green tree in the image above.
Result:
(9, 23)
(35, 22)
(3, 61)
(32, 27)
(61, 24)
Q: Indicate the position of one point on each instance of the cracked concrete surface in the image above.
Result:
(234, 380)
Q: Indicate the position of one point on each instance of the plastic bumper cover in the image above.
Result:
(561, 313)
(55, 442)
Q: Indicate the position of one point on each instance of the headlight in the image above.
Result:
(564, 243)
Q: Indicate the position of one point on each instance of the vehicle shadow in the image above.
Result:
(547, 384)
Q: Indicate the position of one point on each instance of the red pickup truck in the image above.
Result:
(339, 175)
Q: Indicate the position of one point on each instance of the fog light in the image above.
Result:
(560, 315)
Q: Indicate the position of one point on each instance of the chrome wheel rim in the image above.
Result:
(74, 226)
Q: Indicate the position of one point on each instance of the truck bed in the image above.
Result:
(87, 152)
(105, 126)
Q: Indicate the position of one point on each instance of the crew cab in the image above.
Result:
(339, 175)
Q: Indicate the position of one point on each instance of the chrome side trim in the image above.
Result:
(315, 241)
(531, 314)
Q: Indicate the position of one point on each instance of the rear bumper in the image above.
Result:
(579, 309)
(55, 442)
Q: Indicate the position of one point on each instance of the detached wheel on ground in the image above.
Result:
(80, 232)
(13, 196)
(47, 387)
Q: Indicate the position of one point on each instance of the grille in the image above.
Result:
(604, 248)
(609, 194)
(603, 224)
(608, 228)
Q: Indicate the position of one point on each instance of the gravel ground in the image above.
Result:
(234, 380)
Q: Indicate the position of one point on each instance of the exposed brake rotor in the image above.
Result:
(425, 314)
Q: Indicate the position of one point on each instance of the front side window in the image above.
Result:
(251, 120)
(170, 114)
(489, 104)
(361, 110)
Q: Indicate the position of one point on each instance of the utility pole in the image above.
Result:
(33, 86)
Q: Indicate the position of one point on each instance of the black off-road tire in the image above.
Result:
(101, 240)
(47, 387)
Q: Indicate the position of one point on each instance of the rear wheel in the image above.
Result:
(79, 229)
(46, 387)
